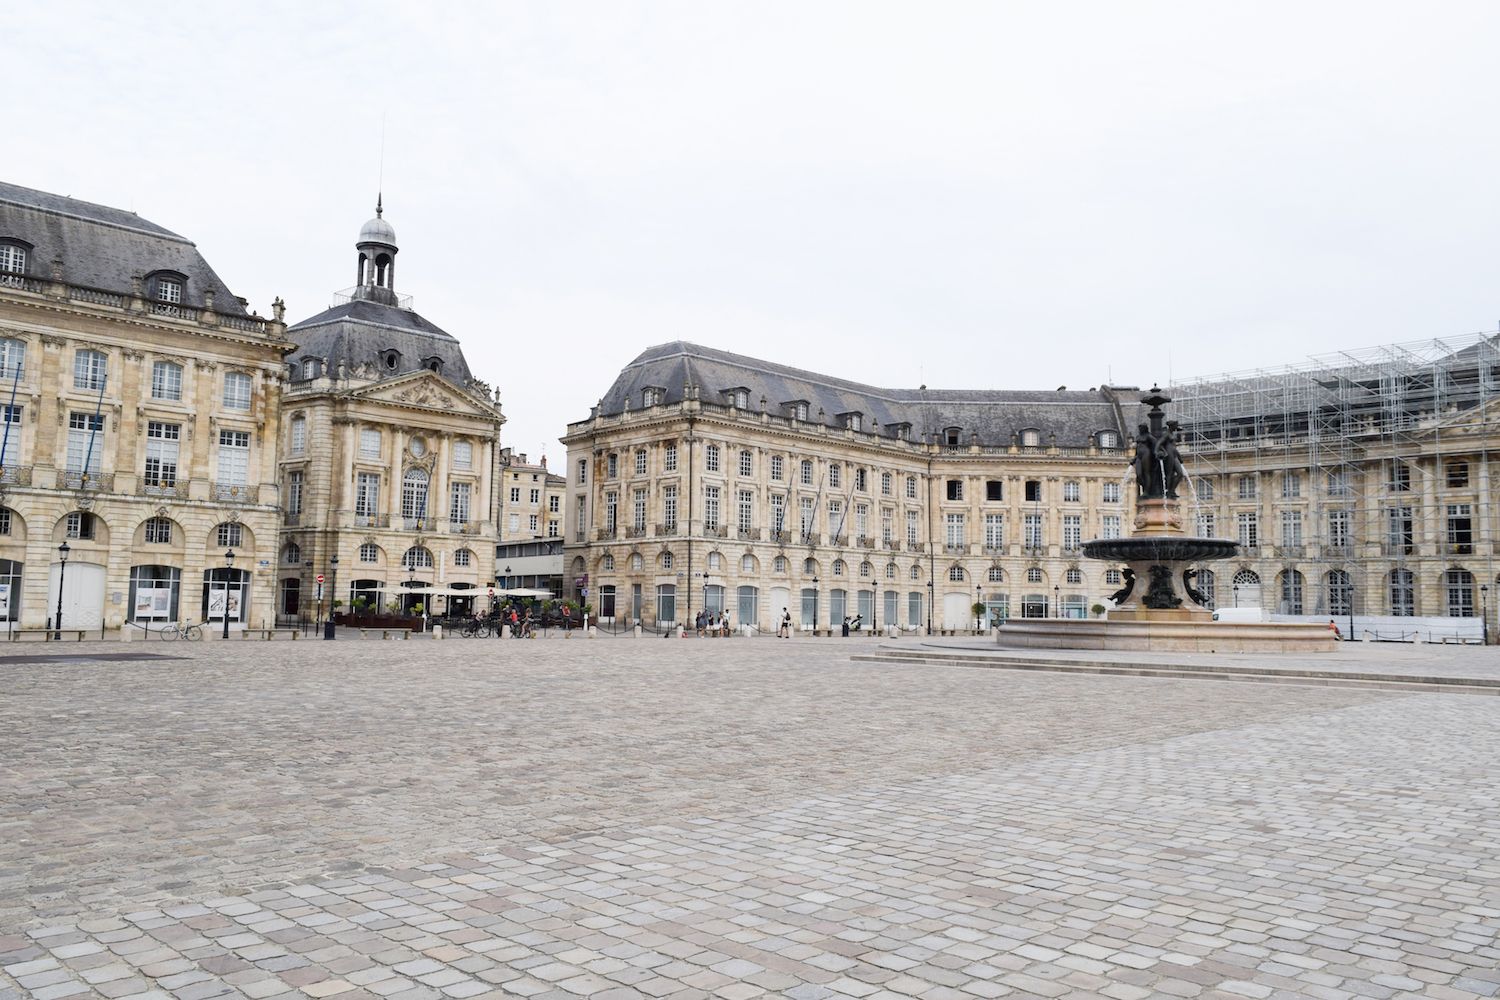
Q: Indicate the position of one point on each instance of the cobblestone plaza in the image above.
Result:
(623, 818)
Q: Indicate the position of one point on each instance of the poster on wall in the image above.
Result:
(4, 601)
(216, 603)
(234, 605)
(152, 602)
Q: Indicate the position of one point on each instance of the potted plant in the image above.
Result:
(1098, 610)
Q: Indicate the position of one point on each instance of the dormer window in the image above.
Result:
(853, 421)
(1031, 438)
(391, 360)
(742, 398)
(898, 431)
(166, 291)
(951, 436)
(309, 368)
(12, 262)
(799, 409)
(650, 396)
(1109, 439)
(433, 364)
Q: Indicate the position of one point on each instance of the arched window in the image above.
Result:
(955, 573)
(866, 570)
(779, 564)
(369, 552)
(1073, 576)
(996, 575)
(292, 554)
(1403, 593)
(666, 560)
(608, 562)
(890, 571)
(417, 557)
(1031, 438)
(463, 557)
(637, 562)
(414, 494)
(916, 573)
(747, 563)
(715, 561)
(1459, 584)
(810, 566)
(1033, 574)
(1338, 592)
(158, 531)
(1291, 592)
(838, 567)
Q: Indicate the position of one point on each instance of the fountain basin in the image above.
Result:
(1161, 549)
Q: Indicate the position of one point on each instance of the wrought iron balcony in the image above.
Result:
(103, 481)
(234, 492)
(666, 530)
(16, 475)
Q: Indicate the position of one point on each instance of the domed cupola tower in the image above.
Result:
(375, 279)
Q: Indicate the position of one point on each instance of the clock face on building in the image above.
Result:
(418, 447)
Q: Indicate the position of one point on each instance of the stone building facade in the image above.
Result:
(388, 455)
(532, 504)
(141, 402)
(708, 479)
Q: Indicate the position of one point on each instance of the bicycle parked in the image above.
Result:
(182, 630)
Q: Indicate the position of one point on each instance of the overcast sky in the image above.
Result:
(1005, 195)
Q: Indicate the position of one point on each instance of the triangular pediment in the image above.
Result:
(427, 391)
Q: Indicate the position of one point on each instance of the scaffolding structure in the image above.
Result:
(1359, 431)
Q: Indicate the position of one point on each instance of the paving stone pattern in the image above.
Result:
(623, 819)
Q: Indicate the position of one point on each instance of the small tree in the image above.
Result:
(1098, 610)
(978, 609)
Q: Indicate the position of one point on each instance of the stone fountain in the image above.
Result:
(1159, 608)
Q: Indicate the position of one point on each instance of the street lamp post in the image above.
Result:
(816, 595)
(978, 615)
(333, 589)
(1484, 612)
(1236, 595)
(228, 571)
(508, 584)
(1056, 601)
(705, 592)
(62, 568)
(929, 607)
(1350, 592)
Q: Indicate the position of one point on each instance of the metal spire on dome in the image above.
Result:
(378, 198)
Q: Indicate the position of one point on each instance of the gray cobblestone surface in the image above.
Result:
(730, 819)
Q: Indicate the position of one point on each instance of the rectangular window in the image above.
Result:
(955, 489)
(911, 527)
(299, 435)
(778, 513)
(230, 533)
(458, 502)
(369, 442)
(745, 463)
(1111, 493)
(638, 510)
(1399, 480)
(669, 506)
(887, 525)
(1291, 486)
(1458, 474)
(1207, 524)
(85, 442)
(994, 532)
(1031, 526)
(366, 496)
(807, 473)
(994, 489)
(294, 492)
(1033, 491)
(711, 458)
(1249, 528)
(640, 462)
(710, 508)
(778, 468)
(552, 528)
(611, 511)
(580, 519)
(79, 524)
(10, 437)
(953, 531)
(1291, 528)
(236, 391)
(862, 520)
(669, 458)
(12, 351)
(463, 455)
(1247, 487)
(554, 504)
(90, 369)
(1071, 491)
(1072, 525)
(534, 497)
(1338, 529)
(805, 515)
(835, 475)
(1110, 526)
(611, 465)
(1338, 483)
(836, 517)
(1460, 529)
(885, 485)
(158, 531)
(583, 470)
(746, 511)
(515, 494)
(166, 380)
(161, 453)
(1398, 535)
(533, 524)
(234, 457)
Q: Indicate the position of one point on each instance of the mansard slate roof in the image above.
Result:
(359, 332)
(104, 248)
(996, 415)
